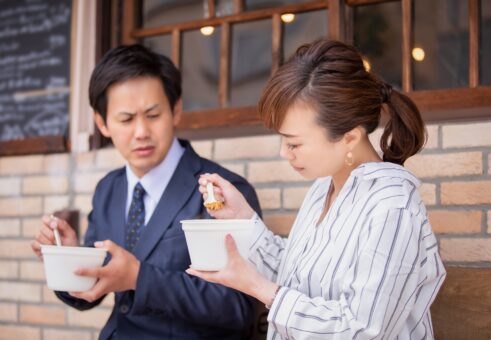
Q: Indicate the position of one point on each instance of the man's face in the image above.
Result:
(140, 122)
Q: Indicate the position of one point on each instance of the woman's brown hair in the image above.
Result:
(330, 76)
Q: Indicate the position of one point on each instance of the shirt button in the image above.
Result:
(123, 309)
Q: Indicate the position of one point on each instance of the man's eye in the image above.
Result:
(153, 116)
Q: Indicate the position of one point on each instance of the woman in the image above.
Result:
(361, 260)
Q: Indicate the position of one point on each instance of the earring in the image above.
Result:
(349, 159)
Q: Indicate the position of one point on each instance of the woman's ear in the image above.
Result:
(353, 137)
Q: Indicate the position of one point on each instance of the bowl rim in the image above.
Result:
(69, 250)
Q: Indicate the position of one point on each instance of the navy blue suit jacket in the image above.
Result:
(167, 303)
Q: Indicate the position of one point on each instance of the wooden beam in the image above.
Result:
(277, 43)
(407, 41)
(176, 47)
(474, 13)
(240, 17)
(336, 19)
(366, 2)
(35, 145)
(128, 25)
(220, 118)
(223, 85)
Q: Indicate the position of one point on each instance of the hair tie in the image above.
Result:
(385, 92)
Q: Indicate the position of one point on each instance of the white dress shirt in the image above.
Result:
(155, 181)
(369, 270)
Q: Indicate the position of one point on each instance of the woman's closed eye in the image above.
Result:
(292, 146)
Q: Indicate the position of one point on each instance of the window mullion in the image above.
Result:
(474, 9)
(223, 85)
(407, 39)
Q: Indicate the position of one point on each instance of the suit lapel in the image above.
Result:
(181, 186)
(118, 210)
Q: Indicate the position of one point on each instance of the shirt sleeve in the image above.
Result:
(378, 293)
(266, 249)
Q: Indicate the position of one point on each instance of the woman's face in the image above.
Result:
(306, 146)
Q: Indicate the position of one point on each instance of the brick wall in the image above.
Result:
(455, 169)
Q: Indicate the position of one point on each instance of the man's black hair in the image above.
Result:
(127, 62)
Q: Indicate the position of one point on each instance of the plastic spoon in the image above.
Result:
(56, 232)
(211, 203)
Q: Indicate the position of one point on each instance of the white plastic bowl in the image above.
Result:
(61, 262)
(206, 241)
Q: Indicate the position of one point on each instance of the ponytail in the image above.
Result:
(405, 133)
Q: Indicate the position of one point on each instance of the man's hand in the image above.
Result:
(46, 236)
(120, 273)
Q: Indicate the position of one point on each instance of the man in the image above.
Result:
(136, 210)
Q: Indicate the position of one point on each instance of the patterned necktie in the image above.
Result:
(136, 217)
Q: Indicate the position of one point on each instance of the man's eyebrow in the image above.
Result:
(151, 108)
(134, 113)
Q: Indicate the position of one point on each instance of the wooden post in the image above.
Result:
(474, 10)
(223, 85)
(336, 16)
(128, 24)
(277, 43)
(176, 47)
(407, 39)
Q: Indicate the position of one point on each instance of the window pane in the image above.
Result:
(485, 48)
(160, 44)
(200, 67)
(377, 34)
(251, 61)
(251, 5)
(304, 28)
(441, 33)
(163, 12)
(224, 8)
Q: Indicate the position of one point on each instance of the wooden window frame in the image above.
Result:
(469, 103)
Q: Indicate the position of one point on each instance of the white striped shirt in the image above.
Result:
(369, 270)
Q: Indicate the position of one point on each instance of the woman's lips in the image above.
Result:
(297, 168)
(144, 151)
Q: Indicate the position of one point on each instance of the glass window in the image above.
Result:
(224, 8)
(164, 12)
(161, 44)
(378, 36)
(200, 69)
(301, 28)
(485, 43)
(252, 5)
(440, 54)
(251, 61)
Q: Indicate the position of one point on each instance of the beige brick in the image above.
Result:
(9, 269)
(86, 182)
(489, 222)
(427, 192)
(93, 318)
(56, 164)
(50, 297)
(20, 206)
(32, 270)
(85, 161)
(445, 221)
(466, 192)
(10, 186)
(21, 165)
(42, 315)
(62, 334)
(20, 291)
(432, 141)
(108, 158)
(55, 203)
(8, 312)
(19, 332)
(238, 168)
(16, 249)
(45, 185)
(273, 171)
(466, 249)
(31, 226)
(465, 135)
(280, 224)
(293, 197)
(444, 165)
(203, 148)
(83, 203)
(248, 147)
(9, 227)
(489, 164)
(269, 198)
(108, 300)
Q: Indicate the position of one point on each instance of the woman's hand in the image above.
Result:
(239, 274)
(235, 207)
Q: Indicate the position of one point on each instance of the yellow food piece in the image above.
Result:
(214, 205)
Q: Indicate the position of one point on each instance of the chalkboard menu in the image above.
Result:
(34, 68)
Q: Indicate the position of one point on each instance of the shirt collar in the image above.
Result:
(155, 181)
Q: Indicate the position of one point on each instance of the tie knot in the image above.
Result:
(139, 191)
